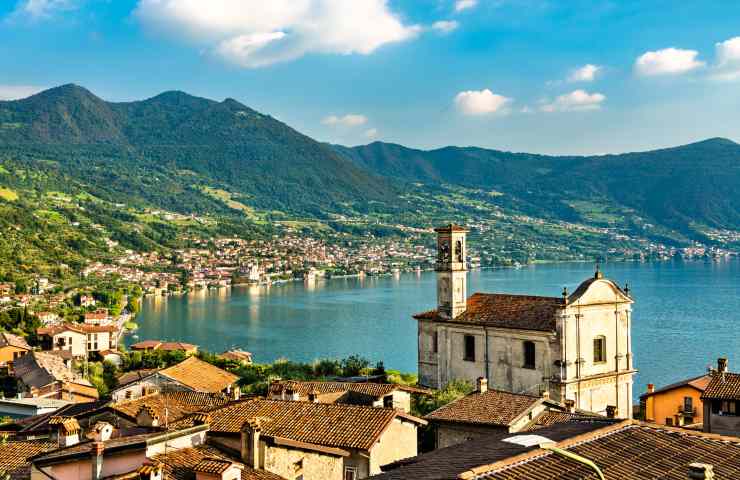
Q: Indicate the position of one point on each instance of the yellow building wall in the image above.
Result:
(664, 405)
(6, 354)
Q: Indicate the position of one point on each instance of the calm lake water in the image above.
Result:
(686, 314)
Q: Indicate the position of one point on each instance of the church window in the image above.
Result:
(529, 355)
(600, 349)
(469, 348)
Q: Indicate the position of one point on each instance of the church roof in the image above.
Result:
(524, 312)
(451, 228)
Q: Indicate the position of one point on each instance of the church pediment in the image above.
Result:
(598, 291)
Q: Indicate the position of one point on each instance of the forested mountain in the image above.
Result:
(683, 187)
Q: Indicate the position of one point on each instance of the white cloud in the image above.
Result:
(16, 92)
(669, 61)
(349, 120)
(575, 101)
(586, 73)
(727, 67)
(256, 33)
(461, 5)
(481, 102)
(371, 133)
(42, 9)
(445, 26)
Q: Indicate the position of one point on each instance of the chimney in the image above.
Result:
(68, 430)
(250, 442)
(546, 395)
(313, 396)
(570, 405)
(147, 417)
(699, 471)
(482, 385)
(102, 431)
(650, 388)
(722, 365)
(611, 411)
(290, 394)
(97, 450)
(150, 471)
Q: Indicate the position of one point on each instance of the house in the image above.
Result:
(678, 404)
(47, 317)
(313, 441)
(12, 347)
(152, 345)
(238, 356)
(581, 450)
(576, 346)
(485, 411)
(87, 301)
(29, 407)
(721, 401)
(80, 339)
(360, 393)
(98, 317)
(44, 375)
(192, 374)
(168, 407)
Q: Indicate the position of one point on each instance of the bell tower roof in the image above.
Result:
(451, 228)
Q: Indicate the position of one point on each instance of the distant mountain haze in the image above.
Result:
(162, 150)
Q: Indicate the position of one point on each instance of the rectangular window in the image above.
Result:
(350, 473)
(435, 342)
(688, 404)
(529, 355)
(669, 421)
(600, 349)
(469, 348)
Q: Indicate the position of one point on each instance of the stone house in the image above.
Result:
(192, 374)
(45, 375)
(313, 441)
(355, 393)
(575, 346)
(721, 402)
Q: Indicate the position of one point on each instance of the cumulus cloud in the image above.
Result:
(727, 66)
(257, 33)
(42, 9)
(668, 61)
(586, 73)
(349, 120)
(371, 133)
(461, 5)
(481, 102)
(445, 26)
(577, 100)
(16, 92)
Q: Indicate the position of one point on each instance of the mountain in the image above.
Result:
(682, 188)
(184, 141)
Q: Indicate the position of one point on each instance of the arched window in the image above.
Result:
(529, 355)
(600, 349)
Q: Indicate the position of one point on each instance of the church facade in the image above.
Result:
(575, 346)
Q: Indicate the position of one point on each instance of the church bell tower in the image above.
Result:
(451, 271)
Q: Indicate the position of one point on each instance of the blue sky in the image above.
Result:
(541, 76)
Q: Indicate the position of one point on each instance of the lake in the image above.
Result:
(686, 314)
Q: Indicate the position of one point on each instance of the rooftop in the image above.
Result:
(700, 383)
(199, 375)
(14, 456)
(375, 390)
(10, 340)
(179, 464)
(176, 404)
(723, 386)
(493, 407)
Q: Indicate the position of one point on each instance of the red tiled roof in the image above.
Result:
(14, 456)
(494, 407)
(76, 327)
(200, 376)
(176, 404)
(10, 340)
(180, 464)
(723, 386)
(700, 383)
(505, 311)
(375, 390)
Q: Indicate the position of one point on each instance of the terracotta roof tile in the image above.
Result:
(134, 376)
(634, 451)
(494, 407)
(10, 340)
(723, 386)
(505, 311)
(700, 383)
(200, 376)
(375, 390)
(14, 456)
(180, 464)
(342, 426)
(177, 404)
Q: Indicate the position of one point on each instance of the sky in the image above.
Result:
(540, 76)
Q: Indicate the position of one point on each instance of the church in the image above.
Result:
(576, 346)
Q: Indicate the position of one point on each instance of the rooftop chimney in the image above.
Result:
(611, 411)
(313, 396)
(150, 471)
(722, 365)
(651, 387)
(570, 405)
(68, 430)
(147, 417)
(250, 442)
(701, 471)
(97, 450)
(102, 431)
(482, 385)
(546, 395)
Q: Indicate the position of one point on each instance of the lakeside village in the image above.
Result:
(508, 387)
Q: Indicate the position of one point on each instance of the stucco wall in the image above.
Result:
(664, 405)
(449, 434)
(399, 441)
